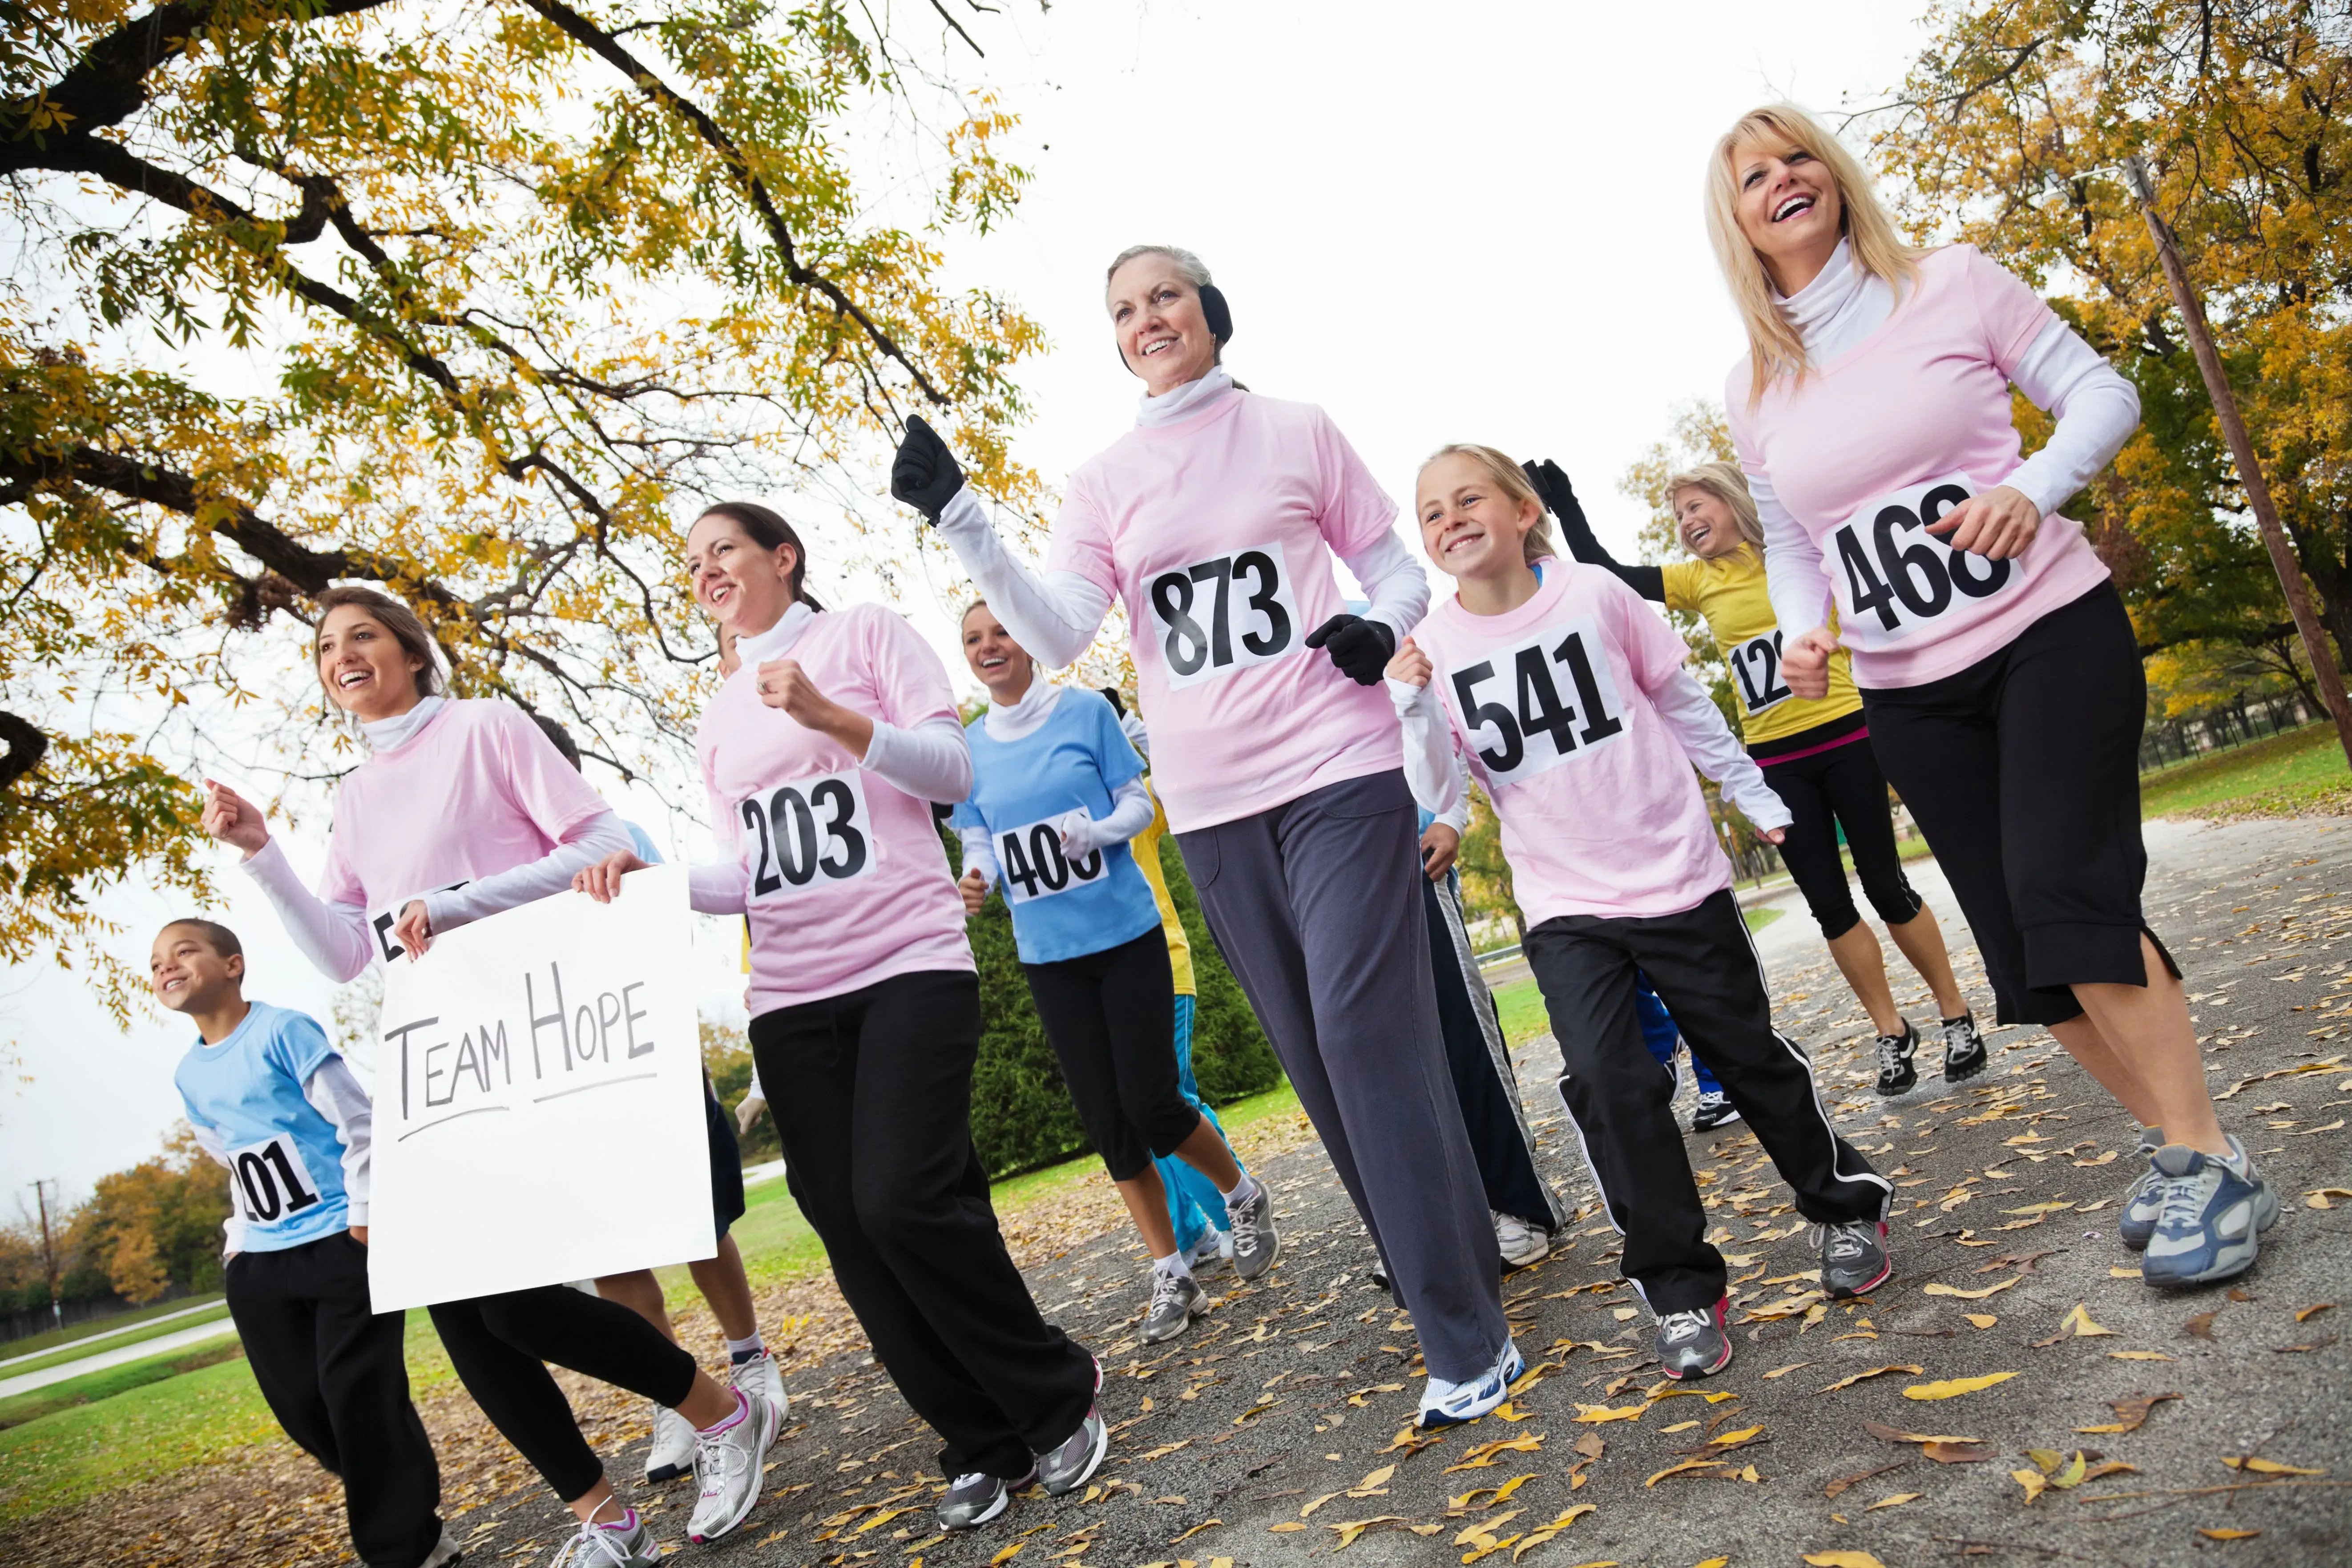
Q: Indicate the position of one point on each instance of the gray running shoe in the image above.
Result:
(1255, 1244)
(2144, 1204)
(976, 1497)
(1693, 1343)
(444, 1553)
(1176, 1301)
(597, 1545)
(2214, 1217)
(1896, 1071)
(1854, 1260)
(1520, 1244)
(728, 1468)
(1964, 1049)
(1078, 1457)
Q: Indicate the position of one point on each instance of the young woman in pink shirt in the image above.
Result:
(464, 808)
(1999, 672)
(823, 754)
(1216, 522)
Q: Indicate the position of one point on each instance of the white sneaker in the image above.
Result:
(1521, 1242)
(672, 1454)
(727, 1469)
(444, 1551)
(1445, 1403)
(763, 1379)
(1215, 1246)
(602, 1546)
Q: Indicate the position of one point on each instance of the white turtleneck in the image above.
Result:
(1130, 803)
(2097, 410)
(391, 734)
(1183, 402)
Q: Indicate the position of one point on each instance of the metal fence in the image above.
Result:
(2232, 723)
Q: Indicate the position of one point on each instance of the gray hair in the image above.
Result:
(1195, 271)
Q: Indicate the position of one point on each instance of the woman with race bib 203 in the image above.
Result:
(1999, 674)
(1215, 521)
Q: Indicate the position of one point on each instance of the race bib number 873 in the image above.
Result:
(809, 833)
(1222, 614)
(1531, 707)
(1894, 578)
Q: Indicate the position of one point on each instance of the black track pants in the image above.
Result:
(1826, 790)
(872, 1095)
(330, 1368)
(1705, 970)
(2023, 771)
(1110, 1018)
(501, 1345)
(1500, 1140)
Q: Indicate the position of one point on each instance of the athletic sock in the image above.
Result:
(742, 1408)
(1244, 1191)
(740, 1350)
(621, 1526)
(1173, 1264)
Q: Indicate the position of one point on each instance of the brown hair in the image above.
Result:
(395, 617)
(1727, 484)
(1508, 478)
(767, 529)
(217, 937)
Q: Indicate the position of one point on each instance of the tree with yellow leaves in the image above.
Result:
(479, 302)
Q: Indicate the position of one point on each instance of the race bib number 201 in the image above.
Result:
(812, 832)
(1893, 577)
(269, 1181)
(1224, 615)
(1531, 707)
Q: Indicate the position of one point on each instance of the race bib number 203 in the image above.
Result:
(1226, 613)
(1894, 578)
(812, 832)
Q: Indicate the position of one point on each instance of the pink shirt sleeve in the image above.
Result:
(723, 826)
(2013, 315)
(339, 884)
(909, 674)
(1080, 543)
(1653, 649)
(546, 788)
(1356, 512)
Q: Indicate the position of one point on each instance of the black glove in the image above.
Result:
(925, 474)
(1361, 649)
(1551, 485)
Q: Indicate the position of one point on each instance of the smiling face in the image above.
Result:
(187, 974)
(1705, 522)
(363, 667)
(1155, 313)
(1002, 664)
(1469, 525)
(1790, 210)
(745, 588)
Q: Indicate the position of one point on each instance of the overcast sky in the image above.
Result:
(1478, 221)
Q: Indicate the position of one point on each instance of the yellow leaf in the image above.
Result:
(1506, 1411)
(1536, 1537)
(2228, 1534)
(1740, 1436)
(1686, 1465)
(2123, 1274)
(2072, 1474)
(2139, 1355)
(1843, 1560)
(1785, 1371)
(1714, 1562)
(2079, 1319)
(1286, 1526)
(2313, 1311)
(1952, 1388)
(2317, 1197)
(1981, 1320)
(1596, 1414)
(1940, 1289)
(1353, 1530)
(1008, 1555)
(1314, 1503)
(2031, 1480)
(2271, 1468)
(1483, 1532)
(1895, 1501)
(1874, 1371)
(1379, 1477)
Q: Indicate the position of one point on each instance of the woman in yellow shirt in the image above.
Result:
(1815, 752)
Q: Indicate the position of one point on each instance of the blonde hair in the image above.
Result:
(1727, 484)
(1774, 349)
(1508, 478)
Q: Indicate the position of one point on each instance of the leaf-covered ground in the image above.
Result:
(2014, 1396)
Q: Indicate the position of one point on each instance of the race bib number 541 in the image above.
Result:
(1532, 707)
(809, 833)
(1896, 578)
(1224, 615)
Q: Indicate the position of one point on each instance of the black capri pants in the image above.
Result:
(1110, 1018)
(2023, 771)
(1829, 779)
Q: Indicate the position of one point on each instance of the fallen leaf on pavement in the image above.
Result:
(1590, 1445)
(1843, 1560)
(1204, 1524)
(1596, 1414)
(1892, 1436)
(1953, 1387)
(1379, 1477)
(2139, 1355)
(1874, 1371)
(1838, 1487)
(1410, 1442)
(2317, 1197)
(1981, 1320)
(2123, 1274)
(2321, 1344)
(1895, 1501)
(2271, 1468)
(1353, 1530)
(1543, 1532)
(2132, 1414)
(2310, 1312)
(1285, 1527)
(1729, 1439)
(2112, 1467)
(1956, 1453)
(1940, 1289)
(2228, 1534)
(1785, 1371)
(2201, 1326)
(2034, 1481)
(1499, 1495)
(2076, 1324)
(1484, 1454)
(1482, 1534)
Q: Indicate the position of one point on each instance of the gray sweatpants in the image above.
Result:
(1317, 907)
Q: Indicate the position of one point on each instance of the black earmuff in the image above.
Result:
(1213, 310)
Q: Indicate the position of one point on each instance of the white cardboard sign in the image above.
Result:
(539, 1112)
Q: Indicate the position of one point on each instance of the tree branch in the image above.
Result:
(26, 746)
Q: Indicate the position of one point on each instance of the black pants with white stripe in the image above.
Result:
(1705, 969)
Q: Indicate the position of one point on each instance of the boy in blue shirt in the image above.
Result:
(272, 1101)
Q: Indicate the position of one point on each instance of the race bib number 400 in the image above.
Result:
(1224, 615)
(812, 832)
(1755, 668)
(1531, 707)
(269, 1181)
(1894, 578)
(1036, 867)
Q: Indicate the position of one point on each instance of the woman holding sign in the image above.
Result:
(822, 753)
(1216, 521)
(470, 799)
(1999, 672)
(1057, 792)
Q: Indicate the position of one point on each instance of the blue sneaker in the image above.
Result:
(2144, 1204)
(1445, 1403)
(2215, 1212)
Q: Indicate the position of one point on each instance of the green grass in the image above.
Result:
(76, 1351)
(91, 1388)
(2276, 776)
(1520, 1008)
(66, 1336)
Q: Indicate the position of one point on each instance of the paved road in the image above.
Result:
(161, 1344)
(211, 1306)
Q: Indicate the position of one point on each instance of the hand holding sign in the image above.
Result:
(1996, 525)
(602, 880)
(414, 930)
(1805, 662)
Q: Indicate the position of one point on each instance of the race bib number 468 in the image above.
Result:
(812, 832)
(1894, 578)
(1531, 707)
(1224, 615)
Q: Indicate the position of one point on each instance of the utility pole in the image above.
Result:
(49, 1255)
(2242, 452)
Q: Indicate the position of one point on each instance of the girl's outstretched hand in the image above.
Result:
(1805, 662)
(601, 881)
(232, 819)
(1411, 665)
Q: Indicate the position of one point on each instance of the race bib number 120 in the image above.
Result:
(1224, 615)
(1893, 577)
(1756, 666)
(1543, 702)
(809, 833)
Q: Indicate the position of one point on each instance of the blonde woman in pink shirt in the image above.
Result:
(1999, 672)
(1216, 522)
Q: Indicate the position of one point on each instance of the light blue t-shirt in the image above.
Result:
(285, 1159)
(1020, 791)
(642, 843)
